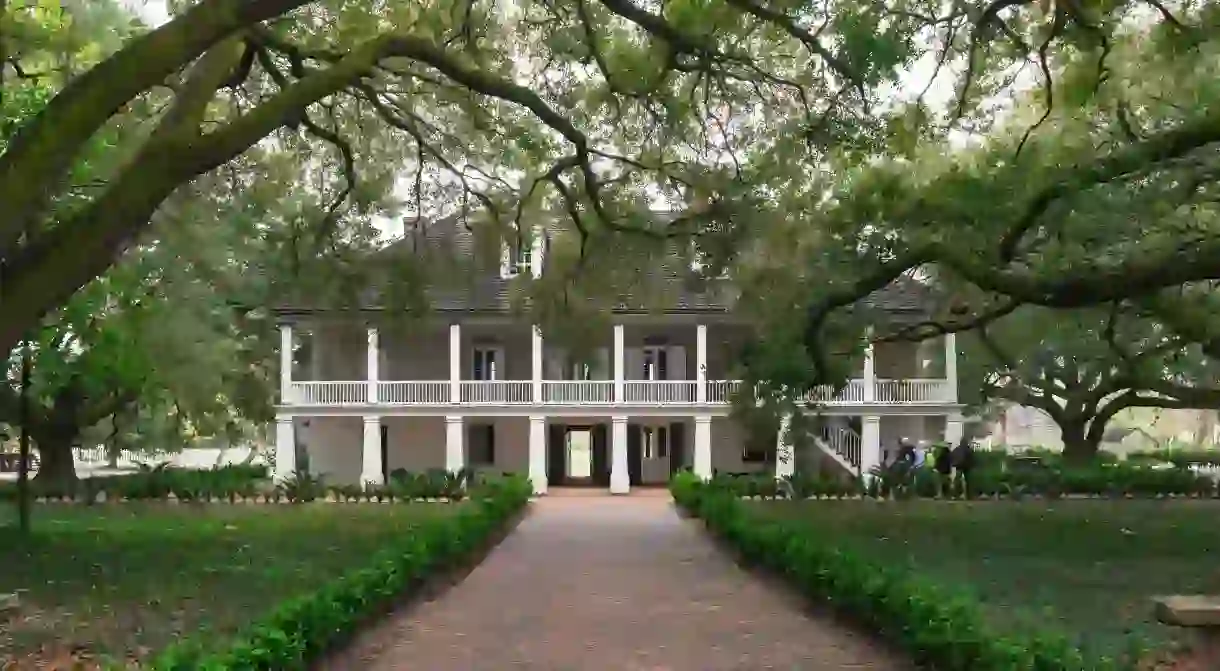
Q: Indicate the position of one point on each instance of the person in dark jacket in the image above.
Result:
(906, 453)
(963, 463)
(943, 463)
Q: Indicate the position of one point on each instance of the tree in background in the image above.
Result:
(1082, 368)
(1101, 193)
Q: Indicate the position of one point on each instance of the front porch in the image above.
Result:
(614, 452)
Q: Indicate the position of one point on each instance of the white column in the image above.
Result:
(286, 364)
(701, 363)
(870, 444)
(785, 454)
(953, 428)
(619, 397)
(455, 439)
(620, 479)
(373, 357)
(703, 446)
(370, 458)
(455, 363)
(538, 453)
(951, 365)
(870, 372)
(537, 366)
(285, 447)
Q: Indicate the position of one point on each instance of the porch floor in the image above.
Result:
(614, 583)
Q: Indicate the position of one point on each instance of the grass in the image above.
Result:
(127, 580)
(1087, 568)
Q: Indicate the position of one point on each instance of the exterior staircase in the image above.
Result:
(842, 443)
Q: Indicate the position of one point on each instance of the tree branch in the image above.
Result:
(40, 154)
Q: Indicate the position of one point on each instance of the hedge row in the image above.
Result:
(1052, 481)
(245, 484)
(297, 632)
(937, 626)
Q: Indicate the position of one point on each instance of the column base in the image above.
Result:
(620, 485)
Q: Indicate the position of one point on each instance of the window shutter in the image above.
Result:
(601, 368)
(677, 363)
(633, 363)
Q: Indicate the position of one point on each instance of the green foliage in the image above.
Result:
(155, 482)
(939, 627)
(298, 631)
(130, 579)
(994, 476)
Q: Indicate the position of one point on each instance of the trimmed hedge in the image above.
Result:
(1048, 480)
(937, 626)
(298, 631)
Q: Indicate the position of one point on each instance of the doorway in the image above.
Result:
(577, 455)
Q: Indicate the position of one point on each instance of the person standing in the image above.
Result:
(963, 464)
(943, 463)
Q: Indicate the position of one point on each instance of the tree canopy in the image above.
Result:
(1098, 190)
(599, 108)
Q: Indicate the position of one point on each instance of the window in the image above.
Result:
(700, 265)
(481, 444)
(656, 442)
(759, 448)
(754, 455)
(520, 258)
(485, 364)
(656, 363)
(517, 256)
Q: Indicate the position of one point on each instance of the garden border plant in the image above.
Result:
(937, 626)
(299, 631)
(996, 481)
(247, 485)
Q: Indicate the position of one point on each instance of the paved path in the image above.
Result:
(620, 584)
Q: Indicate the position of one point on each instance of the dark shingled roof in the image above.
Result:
(484, 290)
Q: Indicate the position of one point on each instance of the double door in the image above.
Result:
(581, 455)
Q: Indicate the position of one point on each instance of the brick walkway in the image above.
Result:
(620, 584)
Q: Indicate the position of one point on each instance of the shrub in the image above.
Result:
(937, 626)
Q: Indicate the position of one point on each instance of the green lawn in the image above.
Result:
(129, 579)
(1089, 567)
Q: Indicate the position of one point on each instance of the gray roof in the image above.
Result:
(477, 285)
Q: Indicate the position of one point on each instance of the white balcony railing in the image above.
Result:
(852, 393)
(578, 392)
(431, 392)
(913, 391)
(497, 391)
(598, 392)
(721, 391)
(329, 393)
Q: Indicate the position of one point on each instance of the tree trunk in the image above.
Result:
(1080, 446)
(57, 465)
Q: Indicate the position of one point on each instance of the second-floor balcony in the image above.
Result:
(597, 392)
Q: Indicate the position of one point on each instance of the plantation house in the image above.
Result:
(476, 384)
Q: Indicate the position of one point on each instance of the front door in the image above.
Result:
(677, 446)
(601, 462)
(579, 454)
(556, 454)
(634, 453)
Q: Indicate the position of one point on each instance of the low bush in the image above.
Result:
(1054, 480)
(156, 482)
(1180, 457)
(939, 627)
(298, 631)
